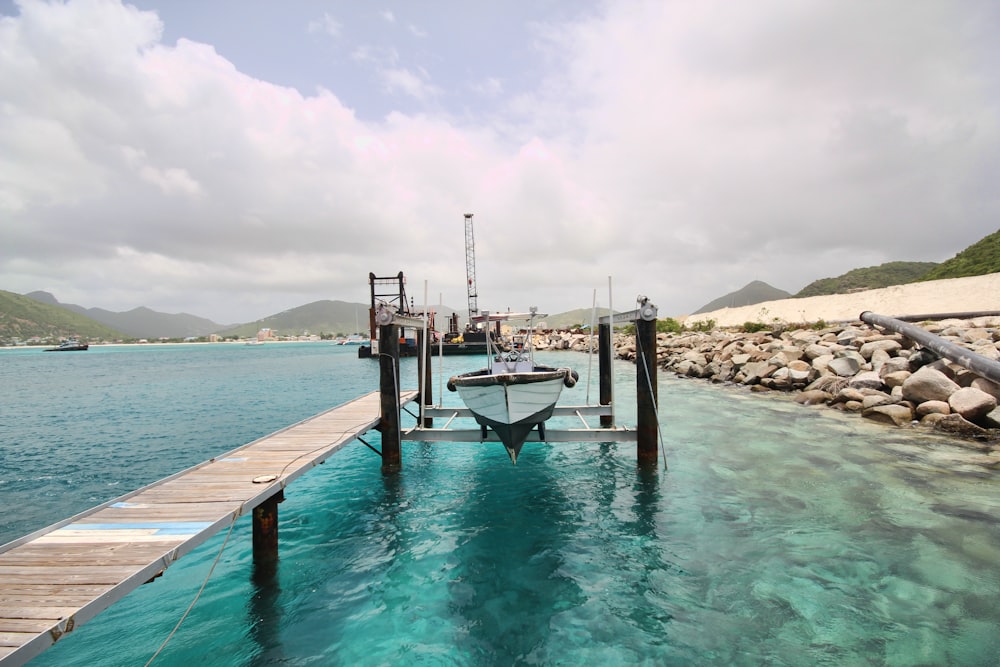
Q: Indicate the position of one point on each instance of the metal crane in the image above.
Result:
(470, 267)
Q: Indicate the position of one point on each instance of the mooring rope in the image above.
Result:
(198, 594)
(240, 512)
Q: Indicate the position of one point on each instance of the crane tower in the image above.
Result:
(470, 266)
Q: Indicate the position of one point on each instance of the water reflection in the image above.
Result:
(265, 613)
(507, 584)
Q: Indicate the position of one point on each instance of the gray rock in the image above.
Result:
(822, 362)
(879, 359)
(928, 384)
(844, 366)
(815, 350)
(866, 380)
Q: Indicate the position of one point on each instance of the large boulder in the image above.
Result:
(928, 384)
(971, 403)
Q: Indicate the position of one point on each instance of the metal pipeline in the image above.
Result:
(976, 363)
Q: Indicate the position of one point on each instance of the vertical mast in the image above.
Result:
(470, 267)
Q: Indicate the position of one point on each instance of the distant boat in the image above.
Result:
(69, 346)
(512, 395)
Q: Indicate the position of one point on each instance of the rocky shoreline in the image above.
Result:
(852, 367)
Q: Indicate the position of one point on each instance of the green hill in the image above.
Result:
(977, 260)
(22, 319)
(318, 317)
(871, 277)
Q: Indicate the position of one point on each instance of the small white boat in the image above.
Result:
(512, 395)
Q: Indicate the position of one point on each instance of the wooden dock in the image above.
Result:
(56, 579)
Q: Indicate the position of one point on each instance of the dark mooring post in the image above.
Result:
(388, 361)
(605, 369)
(424, 373)
(646, 393)
(265, 530)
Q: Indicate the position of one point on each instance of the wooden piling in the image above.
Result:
(265, 530)
(605, 369)
(646, 392)
(388, 348)
(424, 373)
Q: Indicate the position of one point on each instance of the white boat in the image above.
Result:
(512, 395)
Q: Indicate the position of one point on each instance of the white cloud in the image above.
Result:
(326, 25)
(685, 148)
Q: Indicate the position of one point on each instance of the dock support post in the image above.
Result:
(605, 369)
(424, 373)
(646, 391)
(388, 360)
(265, 530)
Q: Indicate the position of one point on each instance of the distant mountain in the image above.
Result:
(140, 322)
(871, 277)
(318, 317)
(23, 318)
(755, 292)
(978, 259)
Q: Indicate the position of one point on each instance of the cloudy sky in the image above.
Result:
(231, 159)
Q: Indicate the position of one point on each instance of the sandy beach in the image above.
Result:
(956, 295)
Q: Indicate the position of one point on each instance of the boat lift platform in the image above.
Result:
(645, 434)
(586, 433)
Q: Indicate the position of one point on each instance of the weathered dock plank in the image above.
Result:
(58, 578)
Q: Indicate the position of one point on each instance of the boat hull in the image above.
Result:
(512, 404)
(76, 347)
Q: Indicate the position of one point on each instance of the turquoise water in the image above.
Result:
(780, 535)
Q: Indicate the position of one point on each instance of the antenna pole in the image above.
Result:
(470, 267)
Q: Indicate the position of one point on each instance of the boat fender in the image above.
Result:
(570, 377)
(451, 384)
